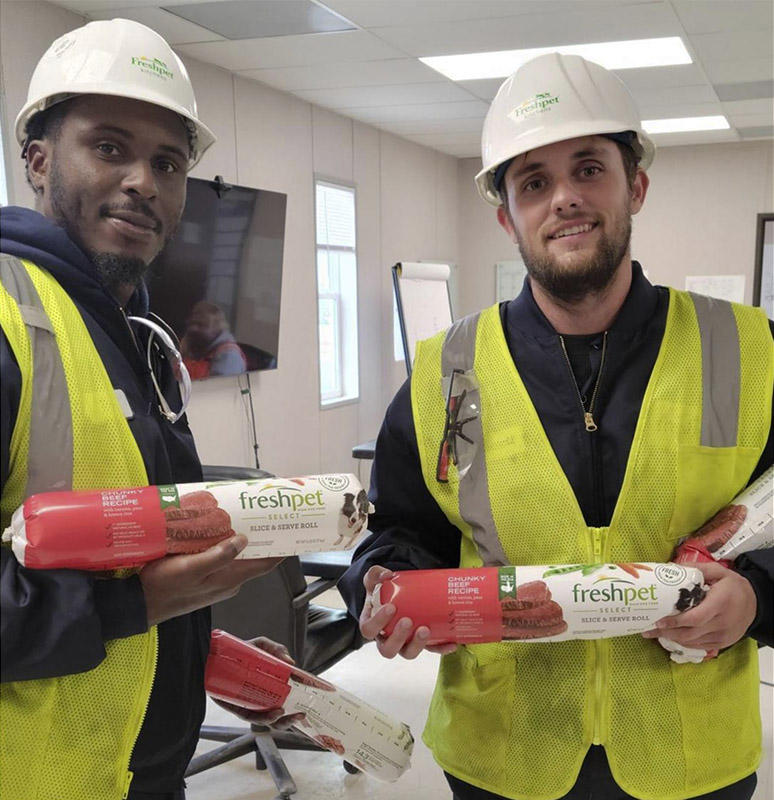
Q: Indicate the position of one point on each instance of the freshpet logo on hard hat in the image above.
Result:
(541, 102)
(153, 66)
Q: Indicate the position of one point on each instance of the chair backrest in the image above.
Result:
(264, 607)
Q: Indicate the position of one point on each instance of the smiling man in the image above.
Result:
(602, 434)
(102, 675)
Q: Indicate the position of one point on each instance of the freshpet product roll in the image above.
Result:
(546, 603)
(121, 528)
(746, 524)
(249, 677)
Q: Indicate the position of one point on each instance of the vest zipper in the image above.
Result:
(588, 416)
(600, 660)
(129, 773)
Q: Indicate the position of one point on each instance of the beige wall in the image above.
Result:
(699, 218)
(406, 210)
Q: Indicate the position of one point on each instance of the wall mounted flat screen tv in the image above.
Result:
(218, 284)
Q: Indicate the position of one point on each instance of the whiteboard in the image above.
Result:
(424, 306)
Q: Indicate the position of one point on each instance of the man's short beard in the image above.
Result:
(115, 271)
(572, 284)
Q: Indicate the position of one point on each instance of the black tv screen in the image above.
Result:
(218, 283)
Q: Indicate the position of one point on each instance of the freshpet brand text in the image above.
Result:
(282, 499)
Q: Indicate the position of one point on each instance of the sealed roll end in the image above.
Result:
(16, 534)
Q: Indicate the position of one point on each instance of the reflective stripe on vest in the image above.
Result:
(50, 459)
(720, 369)
(516, 719)
(459, 351)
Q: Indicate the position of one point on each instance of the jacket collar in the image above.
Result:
(524, 317)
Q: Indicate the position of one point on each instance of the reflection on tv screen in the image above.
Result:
(218, 283)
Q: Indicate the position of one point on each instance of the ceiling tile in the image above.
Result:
(656, 77)
(754, 69)
(339, 76)
(748, 120)
(760, 106)
(734, 45)
(175, 30)
(694, 137)
(253, 19)
(293, 51)
(642, 21)
(386, 13)
(677, 96)
(485, 88)
(712, 16)
(692, 110)
(368, 96)
(745, 91)
(757, 132)
(475, 108)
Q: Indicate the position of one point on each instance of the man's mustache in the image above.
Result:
(143, 209)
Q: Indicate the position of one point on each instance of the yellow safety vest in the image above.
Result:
(517, 719)
(71, 737)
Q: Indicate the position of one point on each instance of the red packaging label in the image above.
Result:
(240, 673)
(106, 530)
(456, 605)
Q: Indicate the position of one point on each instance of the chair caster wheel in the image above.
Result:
(351, 768)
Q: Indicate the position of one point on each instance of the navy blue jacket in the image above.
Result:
(409, 530)
(55, 622)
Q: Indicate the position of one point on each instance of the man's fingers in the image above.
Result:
(370, 626)
(196, 565)
(391, 645)
(376, 575)
(416, 644)
(442, 649)
(276, 649)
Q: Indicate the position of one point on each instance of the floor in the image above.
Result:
(403, 689)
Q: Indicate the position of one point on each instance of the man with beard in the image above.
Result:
(604, 419)
(102, 675)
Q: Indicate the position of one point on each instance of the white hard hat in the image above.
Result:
(550, 99)
(120, 58)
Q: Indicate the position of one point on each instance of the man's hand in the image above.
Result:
(400, 641)
(720, 620)
(178, 584)
(274, 717)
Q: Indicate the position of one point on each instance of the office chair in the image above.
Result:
(278, 605)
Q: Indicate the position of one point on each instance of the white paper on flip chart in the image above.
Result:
(722, 287)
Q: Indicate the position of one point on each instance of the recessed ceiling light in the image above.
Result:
(681, 124)
(612, 55)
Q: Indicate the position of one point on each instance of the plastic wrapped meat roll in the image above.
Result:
(539, 603)
(122, 528)
(746, 524)
(243, 675)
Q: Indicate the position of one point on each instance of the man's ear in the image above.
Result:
(639, 190)
(504, 218)
(38, 163)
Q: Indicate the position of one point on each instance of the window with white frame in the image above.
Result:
(336, 292)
